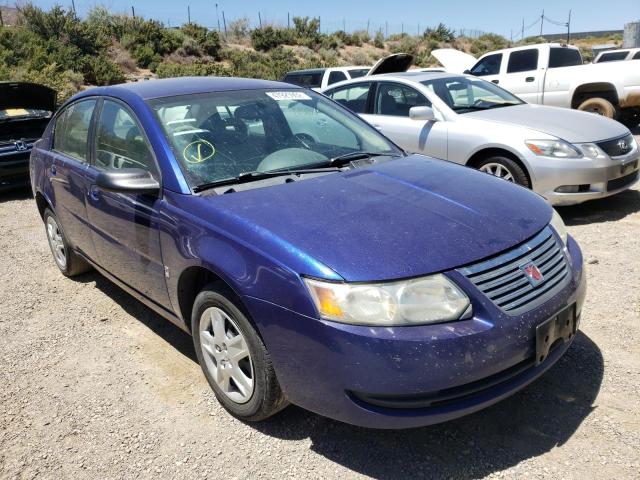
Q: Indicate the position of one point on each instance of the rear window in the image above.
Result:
(613, 56)
(564, 57)
(309, 80)
(636, 56)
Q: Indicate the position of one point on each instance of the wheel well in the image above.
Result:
(190, 284)
(481, 155)
(591, 90)
(42, 204)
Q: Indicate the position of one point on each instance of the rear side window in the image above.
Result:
(564, 57)
(397, 100)
(72, 130)
(636, 56)
(336, 76)
(489, 65)
(309, 80)
(613, 56)
(358, 72)
(119, 140)
(523, 61)
(354, 97)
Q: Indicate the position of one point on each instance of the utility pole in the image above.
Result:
(344, 25)
(402, 28)
(569, 28)
(260, 19)
(418, 28)
(541, 22)
(133, 12)
(218, 18)
(367, 26)
(188, 14)
(73, 6)
(386, 29)
(511, 37)
(522, 37)
(224, 22)
(288, 21)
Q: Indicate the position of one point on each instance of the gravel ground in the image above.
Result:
(95, 385)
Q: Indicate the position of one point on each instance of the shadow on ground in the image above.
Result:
(608, 209)
(532, 422)
(15, 194)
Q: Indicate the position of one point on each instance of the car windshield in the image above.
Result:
(221, 135)
(468, 94)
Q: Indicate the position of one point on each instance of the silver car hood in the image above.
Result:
(570, 125)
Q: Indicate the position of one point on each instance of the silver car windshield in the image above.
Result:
(221, 135)
(465, 94)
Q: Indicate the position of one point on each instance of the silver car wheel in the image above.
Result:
(54, 235)
(226, 355)
(498, 170)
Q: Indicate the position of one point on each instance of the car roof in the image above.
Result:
(308, 70)
(170, 87)
(410, 75)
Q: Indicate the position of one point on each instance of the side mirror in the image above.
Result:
(422, 113)
(136, 181)
(467, 72)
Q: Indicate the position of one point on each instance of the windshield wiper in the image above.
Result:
(348, 157)
(256, 175)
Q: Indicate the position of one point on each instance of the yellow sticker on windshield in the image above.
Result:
(198, 151)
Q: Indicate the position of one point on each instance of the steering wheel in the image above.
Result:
(305, 139)
(290, 158)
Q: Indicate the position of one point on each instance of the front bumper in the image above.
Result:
(597, 178)
(332, 369)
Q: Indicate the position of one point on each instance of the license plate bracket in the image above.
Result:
(561, 326)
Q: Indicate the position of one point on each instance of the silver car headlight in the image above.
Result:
(558, 225)
(591, 150)
(553, 148)
(418, 301)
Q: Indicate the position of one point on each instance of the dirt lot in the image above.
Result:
(94, 385)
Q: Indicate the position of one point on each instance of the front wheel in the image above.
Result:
(233, 357)
(505, 168)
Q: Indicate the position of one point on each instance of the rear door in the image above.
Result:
(389, 113)
(521, 74)
(125, 227)
(68, 171)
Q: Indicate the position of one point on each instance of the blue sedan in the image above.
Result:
(313, 261)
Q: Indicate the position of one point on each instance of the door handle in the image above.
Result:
(529, 79)
(94, 193)
(495, 81)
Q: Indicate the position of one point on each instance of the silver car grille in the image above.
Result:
(504, 281)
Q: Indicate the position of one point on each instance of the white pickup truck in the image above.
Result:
(554, 74)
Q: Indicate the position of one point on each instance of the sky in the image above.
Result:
(411, 16)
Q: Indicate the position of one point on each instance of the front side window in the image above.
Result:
(336, 76)
(564, 57)
(489, 65)
(523, 61)
(466, 94)
(636, 56)
(72, 130)
(261, 130)
(395, 99)
(354, 97)
(119, 140)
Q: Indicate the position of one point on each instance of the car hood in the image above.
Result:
(571, 125)
(27, 95)
(454, 61)
(402, 218)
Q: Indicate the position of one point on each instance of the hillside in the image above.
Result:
(57, 48)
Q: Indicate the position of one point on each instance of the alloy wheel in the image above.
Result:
(226, 355)
(54, 235)
(498, 170)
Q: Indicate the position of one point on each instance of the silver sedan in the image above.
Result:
(567, 156)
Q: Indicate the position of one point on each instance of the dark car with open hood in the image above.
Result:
(25, 110)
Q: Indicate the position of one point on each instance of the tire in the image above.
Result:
(228, 376)
(599, 106)
(505, 168)
(67, 260)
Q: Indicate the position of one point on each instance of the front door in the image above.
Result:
(125, 227)
(522, 75)
(390, 115)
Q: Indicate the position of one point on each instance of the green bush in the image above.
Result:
(207, 41)
(440, 34)
(487, 43)
(267, 38)
(101, 70)
(378, 40)
(199, 68)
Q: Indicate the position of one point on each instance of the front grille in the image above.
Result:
(503, 280)
(618, 146)
(622, 181)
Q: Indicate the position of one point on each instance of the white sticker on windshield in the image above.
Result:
(288, 95)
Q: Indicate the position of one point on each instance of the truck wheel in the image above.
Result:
(505, 168)
(233, 357)
(68, 261)
(600, 106)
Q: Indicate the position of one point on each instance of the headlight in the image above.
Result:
(553, 148)
(558, 225)
(592, 150)
(412, 302)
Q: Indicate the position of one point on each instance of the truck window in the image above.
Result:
(613, 56)
(336, 76)
(523, 60)
(564, 57)
(489, 65)
(636, 56)
(309, 80)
